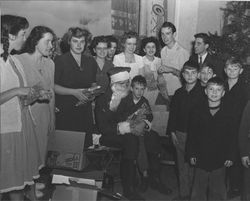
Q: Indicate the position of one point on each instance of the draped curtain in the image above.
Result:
(125, 16)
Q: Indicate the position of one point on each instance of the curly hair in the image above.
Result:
(35, 35)
(96, 40)
(11, 24)
(147, 40)
(128, 35)
(74, 32)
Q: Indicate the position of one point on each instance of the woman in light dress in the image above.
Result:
(39, 71)
(19, 148)
(156, 92)
(128, 58)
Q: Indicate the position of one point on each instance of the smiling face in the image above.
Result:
(200, 47)
(214, 92)
(167, 35)
(205, 74)
(101, 50)
(233, 71)
(130, 45)
(44, 45)
(150, 49)
(77, 45)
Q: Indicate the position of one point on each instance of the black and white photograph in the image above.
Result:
(124, 100)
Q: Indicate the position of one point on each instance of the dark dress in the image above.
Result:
(68, 74)
(102, 78)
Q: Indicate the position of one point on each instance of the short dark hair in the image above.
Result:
(164, 25)
(233, 60)
(204, 37)
(35, 35)
(11, 24)
(147, 40)
(96, 40)
(190, 64)
(111, 39)
(140, 80)
(169, 25)
(217, 81)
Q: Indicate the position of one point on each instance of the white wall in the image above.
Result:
(186, 16)
(210, 16)
(194, 16)
(60, 15)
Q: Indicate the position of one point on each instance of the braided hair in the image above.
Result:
(10, 24)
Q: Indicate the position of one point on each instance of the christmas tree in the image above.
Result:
(235, 38)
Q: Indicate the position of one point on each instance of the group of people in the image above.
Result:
(118, 96)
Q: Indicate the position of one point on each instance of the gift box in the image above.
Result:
(66, 150)
(72, 185)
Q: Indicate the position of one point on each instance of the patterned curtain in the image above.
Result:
(153, 13)
(125, 16)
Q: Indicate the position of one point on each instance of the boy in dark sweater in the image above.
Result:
(211, 144)
(183, 102)
(235, 100)
(136, 110)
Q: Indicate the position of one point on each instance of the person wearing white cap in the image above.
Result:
(115, 133)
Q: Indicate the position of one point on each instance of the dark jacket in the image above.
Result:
(105, 119)
(235, 101)
(244, 132)
(211, 61)
(182, 103)
(210, 138)
(127, 107)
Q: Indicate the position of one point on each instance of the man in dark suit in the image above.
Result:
(244, 143)
(203, 57)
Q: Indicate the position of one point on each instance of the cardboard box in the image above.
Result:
(67, 193)
(65, 150)
(92, 178)
(76, 186)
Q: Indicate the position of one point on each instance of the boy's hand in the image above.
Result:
(228, 163)
(245, 161)
(193, 161)
(174, 138)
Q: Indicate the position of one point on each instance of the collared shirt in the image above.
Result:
(174, 57)
(203, 57)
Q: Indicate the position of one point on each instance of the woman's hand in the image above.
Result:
(45, 95)
(23, 91)
(81, 94)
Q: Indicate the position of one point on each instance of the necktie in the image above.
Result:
(200, 61)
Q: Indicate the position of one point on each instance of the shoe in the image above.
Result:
(144, 184)
(232, 193)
